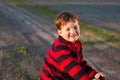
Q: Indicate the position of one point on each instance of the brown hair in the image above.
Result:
(65, 17)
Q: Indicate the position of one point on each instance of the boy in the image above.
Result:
(64, 60)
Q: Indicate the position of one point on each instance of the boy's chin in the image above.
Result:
(72, 40)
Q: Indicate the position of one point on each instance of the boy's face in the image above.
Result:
(70, 31)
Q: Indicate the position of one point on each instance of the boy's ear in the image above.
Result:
(59, 32)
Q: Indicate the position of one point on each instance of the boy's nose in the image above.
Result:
(72, 31)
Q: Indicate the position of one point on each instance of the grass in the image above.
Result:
(21, 63)
(96, 31)
(91, 43)
(37, 9)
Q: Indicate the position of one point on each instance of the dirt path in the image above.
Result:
(20, 26)
(27, 25)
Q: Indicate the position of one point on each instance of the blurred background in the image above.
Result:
(27, 30)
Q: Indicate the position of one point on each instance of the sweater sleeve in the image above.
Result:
(67, 63)
(87, 68)
(83, 63)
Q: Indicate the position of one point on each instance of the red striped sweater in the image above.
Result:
(64, 61)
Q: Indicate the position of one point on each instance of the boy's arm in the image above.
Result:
(70, 66)
(87, 68)
(83, 63)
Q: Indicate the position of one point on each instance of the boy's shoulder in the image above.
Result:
(59, 45)
(58, 41)
(58, 48)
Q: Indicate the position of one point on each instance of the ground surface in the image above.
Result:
(19, 27)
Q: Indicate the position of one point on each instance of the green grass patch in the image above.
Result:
(22, 50)
(17, 2)
(16, 52)
(41, 10)
(37, 9)
(90, 43)
(107, 35)
(24, 65)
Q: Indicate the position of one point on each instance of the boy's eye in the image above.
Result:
(68, 29)
(75, 27)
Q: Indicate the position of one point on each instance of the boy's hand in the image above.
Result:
(100, 75)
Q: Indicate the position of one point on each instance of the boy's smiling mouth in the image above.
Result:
(73, 36)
